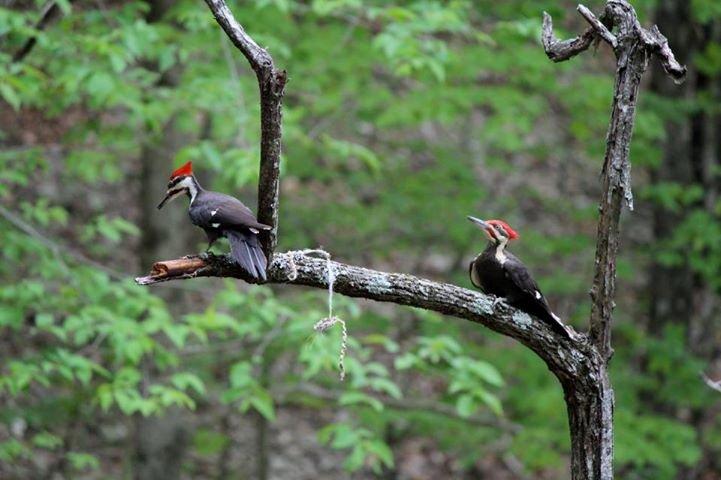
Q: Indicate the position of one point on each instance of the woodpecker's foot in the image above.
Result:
(207, 255)
(496, 301)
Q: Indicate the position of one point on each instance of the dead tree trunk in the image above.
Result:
(580, 363)
(590, 409)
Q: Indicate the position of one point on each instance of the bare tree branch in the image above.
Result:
(49, 13)
(564, 357)
(561, 50)
(271, 83)
(599, 27)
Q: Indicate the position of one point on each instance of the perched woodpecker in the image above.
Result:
(496, 271)
(221, 215)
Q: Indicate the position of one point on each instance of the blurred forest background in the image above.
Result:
(401, 117)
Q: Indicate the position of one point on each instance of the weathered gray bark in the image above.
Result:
(581, 363)
(590, 410)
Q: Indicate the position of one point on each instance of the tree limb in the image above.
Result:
(633, 46)
(561, 50)
(600, 29)
(564, 357)
(271, 83)
(50, 12)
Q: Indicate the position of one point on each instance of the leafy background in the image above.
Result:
(401, 117)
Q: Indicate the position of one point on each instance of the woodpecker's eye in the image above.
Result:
(501, 230)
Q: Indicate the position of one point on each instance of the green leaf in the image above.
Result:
(47, 440)
(360, 398)
(465, 405)
(82, 461)
(10, 96)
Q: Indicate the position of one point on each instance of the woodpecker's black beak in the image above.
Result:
(171, 194)
(168, 196)
(479, 222)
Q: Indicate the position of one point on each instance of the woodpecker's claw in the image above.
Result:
(496, 302)
(206, 255)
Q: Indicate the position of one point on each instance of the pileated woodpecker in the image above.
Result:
(498, 272)
(221, 215)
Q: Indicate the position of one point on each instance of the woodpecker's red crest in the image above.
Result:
(510, 233)
(182, 171)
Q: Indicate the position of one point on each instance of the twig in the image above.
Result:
(599, 27)
(561, 50)
(50, 12)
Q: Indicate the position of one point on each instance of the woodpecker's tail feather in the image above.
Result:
(245, 250)
(557, 325)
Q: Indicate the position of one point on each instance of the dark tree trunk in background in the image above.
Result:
(678, 294)
(690, 155)
(160, 441)
(672, 287)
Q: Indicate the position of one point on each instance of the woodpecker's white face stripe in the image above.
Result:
(179, 188)
(213, 212)
(500, 250)
(215, 225)
(188, 183)
(538, 295)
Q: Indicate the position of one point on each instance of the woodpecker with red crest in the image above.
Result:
(221, 215)
(498, 272)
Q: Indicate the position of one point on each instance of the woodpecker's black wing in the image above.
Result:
(527, 295)
(229, 212)
(222, 214)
